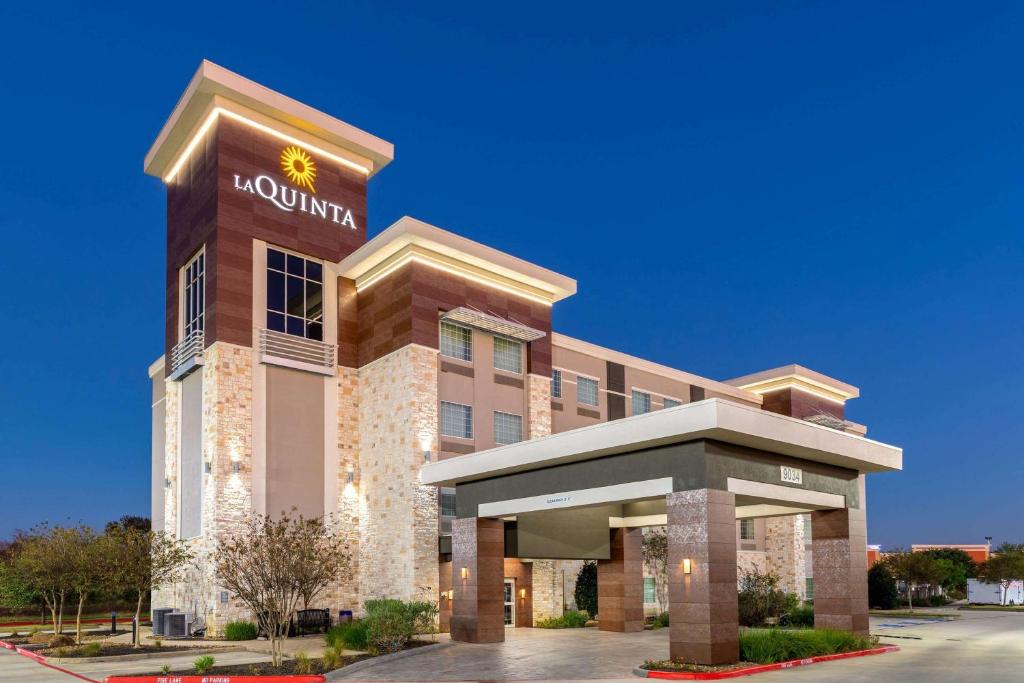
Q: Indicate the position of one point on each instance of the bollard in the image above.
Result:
(113, 623)
(135, 626)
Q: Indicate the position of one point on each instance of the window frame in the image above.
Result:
(748, 523)
(646, 398)
(306, 282)
(518, 369)
(441, 340)
(184, 287)
(504, 414)
(668, 399)
(556, 383)
(580, 380)
(441, 421)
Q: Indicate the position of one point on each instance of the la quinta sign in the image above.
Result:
(301, 170)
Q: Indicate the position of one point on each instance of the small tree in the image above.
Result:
(141, 562)
(86, 569)
(882, 593)
(1004, 569)
(271, 564)
(759, 598)
(44, 563)
(655, 549)
(913, 569)
(586, 589)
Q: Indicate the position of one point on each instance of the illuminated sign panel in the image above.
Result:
(300, 170)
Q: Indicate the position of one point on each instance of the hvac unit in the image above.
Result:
(176, 625)
(158, 619)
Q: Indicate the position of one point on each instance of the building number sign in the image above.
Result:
(792, 475)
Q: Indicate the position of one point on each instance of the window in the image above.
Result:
(641, 402)
(586, 391)
(556, 384)
(447, 505)
(649, 595)
(508, 354)
(671, 403)
(295, 302)
(746, 530)
(809, 588)
(508, 428)
(456, 342)
(456, 420)
(193, 295)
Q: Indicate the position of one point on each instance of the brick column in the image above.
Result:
(839, 548)
(620, 583)
(703, 608)
(478, 611)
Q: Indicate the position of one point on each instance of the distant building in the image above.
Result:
(979, 552)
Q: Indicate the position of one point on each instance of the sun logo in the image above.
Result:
(299, 167)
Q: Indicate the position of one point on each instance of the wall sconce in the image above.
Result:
(522, 593)
(464, 573)
(206, 467)
(686, 565)
(167, 483)
(450, 595)
(426, 456)
(236, 467)
(350, 476)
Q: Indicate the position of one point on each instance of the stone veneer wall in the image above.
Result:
(784, 552)
(397, 515)
(749, 561)
(227, 496)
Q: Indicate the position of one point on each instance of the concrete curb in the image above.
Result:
(167, 652)
(337, 674)
(41, 660)
(761, 668)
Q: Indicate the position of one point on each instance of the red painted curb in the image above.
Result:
(171, 678)
(9, 646)
(718, 675)
(41, 660)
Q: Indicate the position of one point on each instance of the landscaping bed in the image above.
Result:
(119, 649)
(773, 648)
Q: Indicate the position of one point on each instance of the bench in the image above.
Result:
(312, 621)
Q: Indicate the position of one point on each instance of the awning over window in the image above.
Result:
(492, 323)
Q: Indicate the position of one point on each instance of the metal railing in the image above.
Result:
(187, 349)
(297, 349)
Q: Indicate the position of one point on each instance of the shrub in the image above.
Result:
(165, 669)
(59, 640)
(567, 620)
(157, 642)
(882, 588)
(352, 635)
(586, 589)
(660, 621)
(768, 646)
(938, 600)
(330, 660)
(203, 664)
(801, 616)
(240, 630)
(761, 599)
(92, 649)
(391, 624)
(303, 666)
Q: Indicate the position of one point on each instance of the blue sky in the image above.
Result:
(735, 186)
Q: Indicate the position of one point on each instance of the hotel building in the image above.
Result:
(411, 387)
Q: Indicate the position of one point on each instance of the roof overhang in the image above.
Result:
(215, 91)
(797, 377)
(409, 240)
(713, 418)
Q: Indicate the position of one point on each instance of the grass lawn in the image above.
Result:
(994, 608)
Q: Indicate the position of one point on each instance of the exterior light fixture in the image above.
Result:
(426, 456)
(451, 594)
(686, 565)
(206, 467)
(350, 476)
(167, 483)
(236, 467)
(464, 573)
(522, 593)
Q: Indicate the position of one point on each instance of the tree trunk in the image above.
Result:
(137, 642)
(78, 618)
(60, 615)
(910, 596)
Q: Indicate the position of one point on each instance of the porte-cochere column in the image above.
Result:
(478, 580)
(703, 607)
(620, 583)
(839, 547)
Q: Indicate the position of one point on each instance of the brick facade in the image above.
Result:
(785, 553)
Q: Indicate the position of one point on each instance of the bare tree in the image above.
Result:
(271, 564)
(143, 561)
(655, 550)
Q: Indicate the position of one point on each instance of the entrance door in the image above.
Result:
(510, 602)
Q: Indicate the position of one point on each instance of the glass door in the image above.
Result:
(510, 602)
